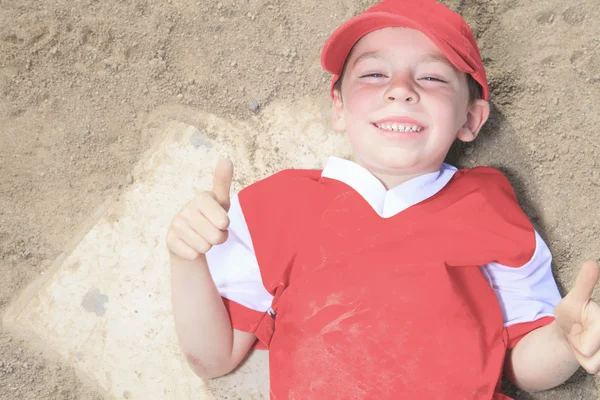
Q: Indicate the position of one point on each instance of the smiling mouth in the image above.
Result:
(399, 127)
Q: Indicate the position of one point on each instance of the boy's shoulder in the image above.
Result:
(295, 173)
(288, 178)
(483, 172)
(285, 185)
(485, 176)
(282, 196)
(489, 182)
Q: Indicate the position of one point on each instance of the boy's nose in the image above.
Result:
(401, 90)
(408, 99)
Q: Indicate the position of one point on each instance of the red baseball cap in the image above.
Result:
(447, 29)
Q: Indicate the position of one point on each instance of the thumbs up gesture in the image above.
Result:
(203, 222)
(579, 318)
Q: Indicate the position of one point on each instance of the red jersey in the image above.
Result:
(366, 307)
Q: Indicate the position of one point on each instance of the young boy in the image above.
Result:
(395, 276)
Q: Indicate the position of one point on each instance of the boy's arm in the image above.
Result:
(548, 356)
(541, 360)
(211, 346)
(206, 337)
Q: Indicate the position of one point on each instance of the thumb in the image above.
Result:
(571, 310)
(585, 283)
(222, 182)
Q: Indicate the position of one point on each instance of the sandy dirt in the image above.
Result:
(79, 79)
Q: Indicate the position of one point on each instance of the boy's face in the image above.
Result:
(403, 104)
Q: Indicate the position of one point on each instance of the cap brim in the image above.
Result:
(343, 39)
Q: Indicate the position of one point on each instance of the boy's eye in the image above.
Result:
(373, 75)
(432, 79)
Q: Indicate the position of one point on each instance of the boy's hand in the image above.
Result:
(203, 222)
(579, 318)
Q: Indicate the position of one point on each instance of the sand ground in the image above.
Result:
(79, 80)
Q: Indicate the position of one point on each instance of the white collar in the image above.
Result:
(387, 203)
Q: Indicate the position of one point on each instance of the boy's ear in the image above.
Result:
(338, 120)
(477, 115)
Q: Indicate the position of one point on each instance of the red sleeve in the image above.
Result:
(248, 320)
(519, 331)
(243, 318)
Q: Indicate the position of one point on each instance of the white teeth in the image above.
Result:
(399, 127)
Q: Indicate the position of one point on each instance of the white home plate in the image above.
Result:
(104, 306)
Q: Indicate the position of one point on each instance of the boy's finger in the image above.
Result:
(195, 241)
(585, 338)
(590, 364)
(208, 207)
(182, 250)
(206, 230)
(222, 182)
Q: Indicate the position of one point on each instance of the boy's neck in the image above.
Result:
(391, 179)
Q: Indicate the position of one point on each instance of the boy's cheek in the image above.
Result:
(358, 103)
